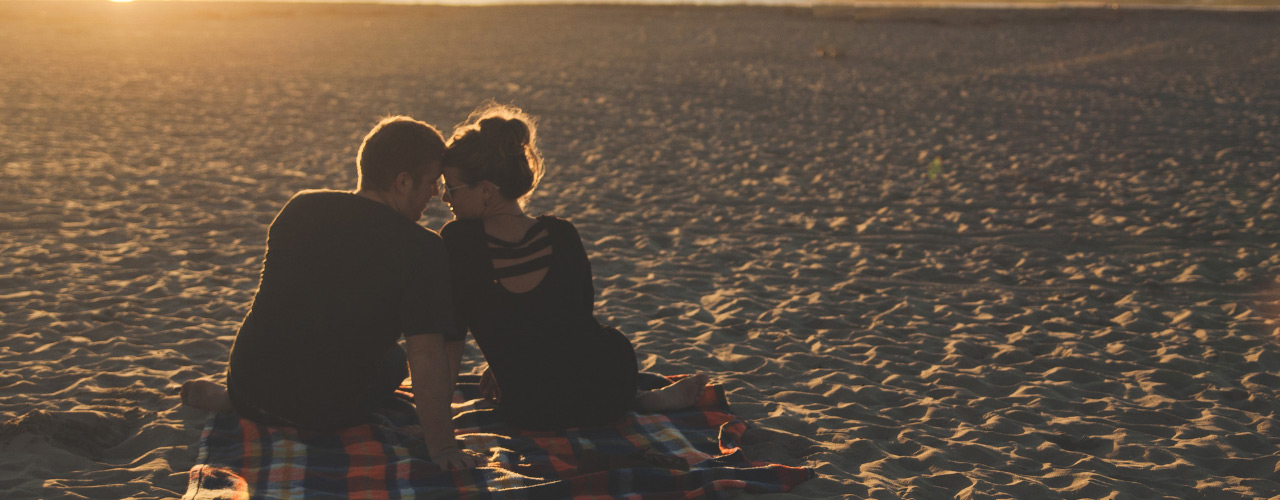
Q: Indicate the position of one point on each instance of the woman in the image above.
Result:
(522, 286)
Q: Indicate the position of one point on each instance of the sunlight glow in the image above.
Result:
(121, 1)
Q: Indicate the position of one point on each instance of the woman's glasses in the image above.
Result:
(446, 190)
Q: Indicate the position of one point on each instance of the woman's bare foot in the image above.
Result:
(206, 395)
(682, 394)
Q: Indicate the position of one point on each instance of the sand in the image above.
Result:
(931, 254)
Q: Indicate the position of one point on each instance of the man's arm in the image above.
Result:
(433, 374)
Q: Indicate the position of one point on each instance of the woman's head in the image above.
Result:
(498, 145)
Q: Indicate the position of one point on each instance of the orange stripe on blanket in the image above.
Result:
(252, 451)
(367, 469)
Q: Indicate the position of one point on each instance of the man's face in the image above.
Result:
(417, 197)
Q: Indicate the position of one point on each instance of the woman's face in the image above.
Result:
(466, 201)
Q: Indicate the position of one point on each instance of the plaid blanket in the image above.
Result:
(386, 459)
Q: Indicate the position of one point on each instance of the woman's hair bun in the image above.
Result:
(510, 136)
(498, 144)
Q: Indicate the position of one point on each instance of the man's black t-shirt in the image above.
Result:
(343, 277)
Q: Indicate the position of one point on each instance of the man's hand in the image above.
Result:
(458, 459)
(489, 386)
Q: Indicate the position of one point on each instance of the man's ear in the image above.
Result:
(404, 181)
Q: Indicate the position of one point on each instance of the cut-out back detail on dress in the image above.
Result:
(535, 240)
(558, 367)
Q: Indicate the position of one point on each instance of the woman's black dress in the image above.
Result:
(556, 366)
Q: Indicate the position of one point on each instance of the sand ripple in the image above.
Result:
(931, 254)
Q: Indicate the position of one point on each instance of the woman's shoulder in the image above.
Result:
(561, 230)
(553, 222)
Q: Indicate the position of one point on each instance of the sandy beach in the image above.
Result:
(929, 253)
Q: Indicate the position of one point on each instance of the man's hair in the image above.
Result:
(397, 144)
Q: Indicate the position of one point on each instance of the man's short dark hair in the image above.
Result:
(397, 144)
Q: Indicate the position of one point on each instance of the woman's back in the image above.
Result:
(536, 281)
(528, 301)
(520, 247)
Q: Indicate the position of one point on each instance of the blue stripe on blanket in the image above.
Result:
(387, 459)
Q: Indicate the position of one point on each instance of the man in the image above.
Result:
(346, 274)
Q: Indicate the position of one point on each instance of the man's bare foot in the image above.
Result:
(682, 394)
(206, 395)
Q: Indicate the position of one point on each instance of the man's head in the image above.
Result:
(400, 159)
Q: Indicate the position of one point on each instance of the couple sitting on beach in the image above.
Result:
(346, 274)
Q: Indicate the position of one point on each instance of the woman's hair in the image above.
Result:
(397, 144)
(498, 144)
